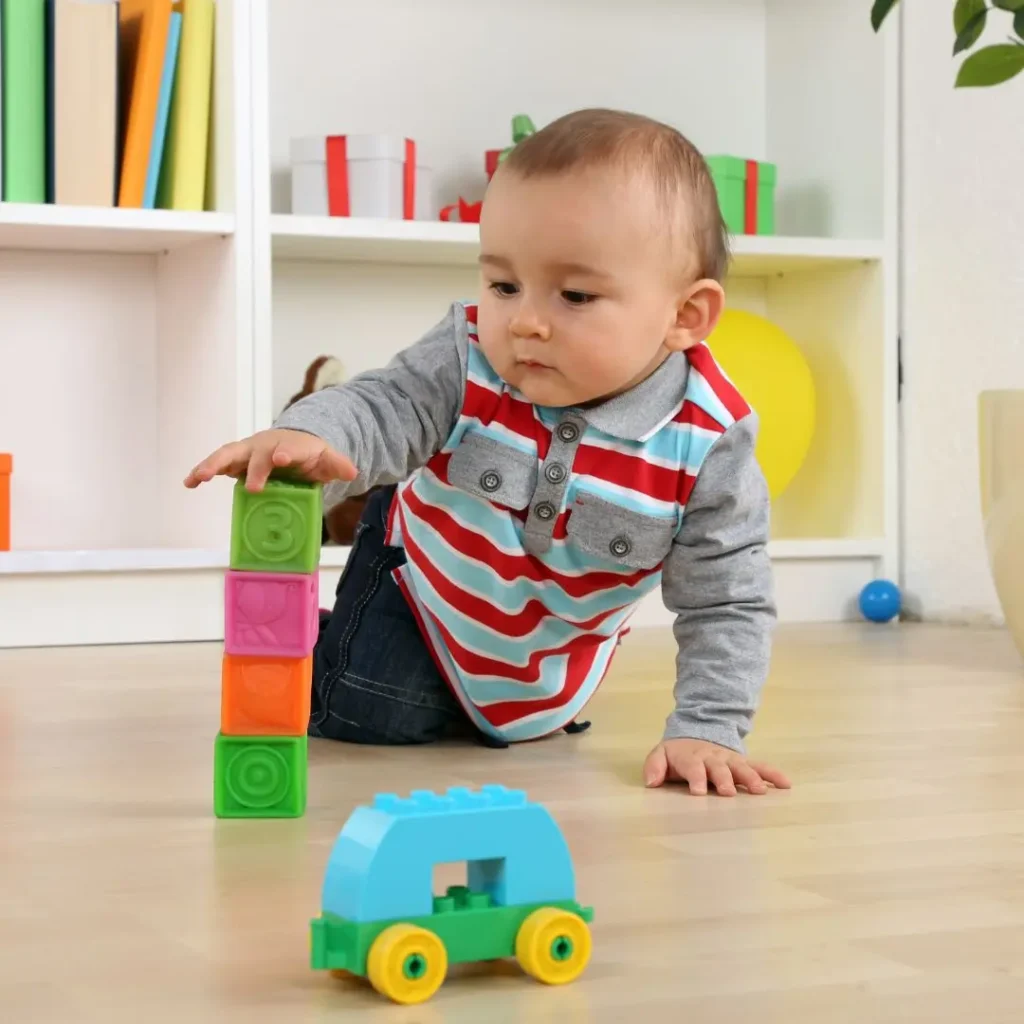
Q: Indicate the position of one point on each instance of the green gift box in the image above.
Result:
(746, 194)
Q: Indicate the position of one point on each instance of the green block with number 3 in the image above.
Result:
(277, 529)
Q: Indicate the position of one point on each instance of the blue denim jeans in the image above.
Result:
(374, 679)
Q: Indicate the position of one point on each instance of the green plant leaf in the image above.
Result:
(965, 11)
(1009, 5)
(971, 31)
(880, 11)
(991, 65)
(1018, 23)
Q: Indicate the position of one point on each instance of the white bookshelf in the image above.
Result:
(92, 229)
(126, 348)
(136, 341)
(427, 243)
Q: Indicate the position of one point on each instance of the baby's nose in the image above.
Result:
(526, 324)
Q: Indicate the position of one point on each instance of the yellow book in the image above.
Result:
(183, 179)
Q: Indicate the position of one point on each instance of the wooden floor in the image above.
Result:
(887, 885)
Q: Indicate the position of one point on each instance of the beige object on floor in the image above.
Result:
(1001, 456)
(887, 886)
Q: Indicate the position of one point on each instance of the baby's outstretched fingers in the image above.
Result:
(229, 459)
(261, 464)
(700, 763)
(690, 770)
(334, 466)
(748, 777)
(720, 776)
(771, 774)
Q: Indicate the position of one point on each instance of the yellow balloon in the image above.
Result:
(771, 373)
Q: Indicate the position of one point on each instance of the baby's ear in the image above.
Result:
(697, 315)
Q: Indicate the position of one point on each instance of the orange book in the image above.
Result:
(143, 28)
(5, 502)
(265, 696)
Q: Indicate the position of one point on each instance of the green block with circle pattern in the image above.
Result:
(259, 776)
(277, 529)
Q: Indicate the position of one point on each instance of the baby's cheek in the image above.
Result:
(613, 360)
(495, 351)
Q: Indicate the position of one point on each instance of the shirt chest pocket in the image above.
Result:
(493, 471)
(627, 538)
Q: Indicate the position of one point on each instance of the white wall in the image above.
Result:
(963, 305)
(78, 385)
(451, 75)
(824, 69)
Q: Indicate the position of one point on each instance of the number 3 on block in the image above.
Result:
(278, 529)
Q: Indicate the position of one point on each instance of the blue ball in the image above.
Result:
(880, 601)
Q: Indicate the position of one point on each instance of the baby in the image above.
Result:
(545, 459)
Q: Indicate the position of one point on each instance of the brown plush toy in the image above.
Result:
(341, 520)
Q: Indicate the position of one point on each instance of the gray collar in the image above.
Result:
(637, 414)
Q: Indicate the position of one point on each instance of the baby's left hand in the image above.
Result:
(698, 762)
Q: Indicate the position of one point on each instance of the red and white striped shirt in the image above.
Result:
(533, 533)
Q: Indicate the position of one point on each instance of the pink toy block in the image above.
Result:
(272, 614)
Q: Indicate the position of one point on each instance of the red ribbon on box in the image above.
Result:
(337, 178)
(409, 197)
(750, 221)
(467, 213)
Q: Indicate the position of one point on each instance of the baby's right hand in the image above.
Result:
(257, 456)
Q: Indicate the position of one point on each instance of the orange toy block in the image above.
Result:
(6, 463)
(264, 696)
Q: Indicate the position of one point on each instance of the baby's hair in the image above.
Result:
(593, 138)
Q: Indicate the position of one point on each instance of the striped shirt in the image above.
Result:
(532, 533)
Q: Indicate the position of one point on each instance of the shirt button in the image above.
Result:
(545, 510)
(555, 472)
(490, 481)
(620, 547)
(568, 432)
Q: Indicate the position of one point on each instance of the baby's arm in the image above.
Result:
(389, 422)
(374, 429)
(718, 582)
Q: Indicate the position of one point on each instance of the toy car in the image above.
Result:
(380, 919)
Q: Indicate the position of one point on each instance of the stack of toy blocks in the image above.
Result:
(270, 626)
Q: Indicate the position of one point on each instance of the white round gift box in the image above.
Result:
(376, 178)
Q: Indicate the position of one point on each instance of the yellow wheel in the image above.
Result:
(553, 945)
(406, 963)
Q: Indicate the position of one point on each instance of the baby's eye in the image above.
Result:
(575, 298)
(504, 288)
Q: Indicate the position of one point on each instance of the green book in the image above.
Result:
(24, 101)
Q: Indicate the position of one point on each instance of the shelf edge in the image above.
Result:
(134, 560)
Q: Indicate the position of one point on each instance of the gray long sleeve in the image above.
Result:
(717, 580)
(389, 422)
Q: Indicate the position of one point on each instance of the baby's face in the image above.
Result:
(580, 288)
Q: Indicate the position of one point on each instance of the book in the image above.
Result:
(1, 100)
(156, 152)
(24, 101)
(50, 68)
(85, 98)
(144, 26)
(184, 183)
